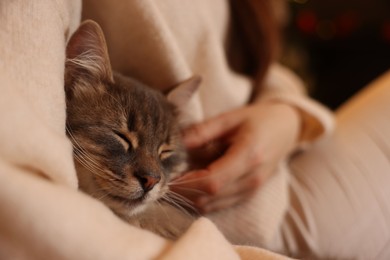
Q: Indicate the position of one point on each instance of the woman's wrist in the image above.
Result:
(292, 114)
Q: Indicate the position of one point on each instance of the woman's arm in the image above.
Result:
(256, 138)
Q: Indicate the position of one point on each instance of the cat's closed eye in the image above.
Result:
(128, 140)
(165, 151)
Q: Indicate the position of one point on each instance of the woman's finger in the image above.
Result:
(228, 196)
(225, 202)
(248, 182)
(190, 185)
(244, 186)
(214, 128)
(237, 161)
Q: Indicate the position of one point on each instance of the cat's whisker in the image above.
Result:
(114, 177)
(76, 144)
(101, 193)
(82, 161)
(187, 205)
(162, 208)
(176, 204)
(82, 157)
(94, 170)
(193, 190)
(179, 197)
(80, 148)
(182, 200)
(103, 196)
(97, 193)
(180, 181)
(88, 159)
(88, 162)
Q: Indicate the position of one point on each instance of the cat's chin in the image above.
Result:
(128, 212)
(127, 209)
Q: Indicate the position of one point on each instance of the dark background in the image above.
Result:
(337, 46)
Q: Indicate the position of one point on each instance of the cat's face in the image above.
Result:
(126, 136)
(126, 142)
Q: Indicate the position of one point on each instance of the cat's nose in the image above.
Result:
(147, 180)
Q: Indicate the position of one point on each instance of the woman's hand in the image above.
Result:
(255, 138)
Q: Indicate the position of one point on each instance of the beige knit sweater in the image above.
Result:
(339, 205)
(43, 216)
(164, 42)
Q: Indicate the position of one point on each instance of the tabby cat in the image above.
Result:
(126, 136)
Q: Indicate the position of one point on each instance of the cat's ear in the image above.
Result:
(182, 93)
(87, 55)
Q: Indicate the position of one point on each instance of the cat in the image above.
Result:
(126, 136)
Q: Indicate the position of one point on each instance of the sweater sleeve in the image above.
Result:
(265, 211)
(282, 85)
(258, 220)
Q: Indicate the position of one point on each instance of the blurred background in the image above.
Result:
(336, 46)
